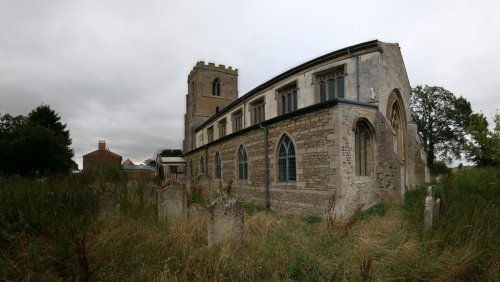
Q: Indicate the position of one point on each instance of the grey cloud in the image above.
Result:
(116, 70)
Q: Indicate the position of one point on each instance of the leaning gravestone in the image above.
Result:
(172, 203)
(225, 220)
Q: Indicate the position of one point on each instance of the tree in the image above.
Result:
(150, 162)
(170, 152)
(441, 119)
(35, 144)
(483, 146)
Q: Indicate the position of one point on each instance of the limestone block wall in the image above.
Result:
(354, 190)
(388, 164)
(313, 135)
(325, 159)
(393, 76)
(418, 158)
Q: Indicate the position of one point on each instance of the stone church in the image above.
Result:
(336, 128)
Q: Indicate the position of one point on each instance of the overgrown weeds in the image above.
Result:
(59, 236)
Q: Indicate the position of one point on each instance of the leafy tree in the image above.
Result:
(483, 148)
(441, 119)
(150, 162)
(38, 143)
(170, 152)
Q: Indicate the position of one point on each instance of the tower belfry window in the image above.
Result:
(216, 87)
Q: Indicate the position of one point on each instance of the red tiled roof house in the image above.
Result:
(101, 158)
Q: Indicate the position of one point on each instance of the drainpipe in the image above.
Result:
(266, 167)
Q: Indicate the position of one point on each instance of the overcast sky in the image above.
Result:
(117, 70)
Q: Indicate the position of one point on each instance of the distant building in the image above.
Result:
(128, 162)
(101, 158)
(138, 171)
(170, 167)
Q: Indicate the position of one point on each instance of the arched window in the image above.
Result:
(202, 165)
(397, 127)
(242, 164)
(191, 168)
(216, 87)
(217, 166)
(363, 149)
(286, 160)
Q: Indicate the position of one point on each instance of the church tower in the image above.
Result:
(210, 89)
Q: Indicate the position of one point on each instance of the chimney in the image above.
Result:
(102, 145)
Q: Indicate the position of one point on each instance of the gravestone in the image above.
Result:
(429, 209)
(225, 220)
(195, 210)
(108, 204)
(172, 202)
(437, 206)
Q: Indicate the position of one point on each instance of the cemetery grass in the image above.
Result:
(53, 230)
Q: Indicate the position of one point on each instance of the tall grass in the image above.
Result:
(386, 242)
(43, 225)
(464, 240)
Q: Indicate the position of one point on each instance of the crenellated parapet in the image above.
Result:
(201, 65)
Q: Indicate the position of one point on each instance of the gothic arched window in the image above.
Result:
(286, 160)
(217, 166)
(216, 87)
(202, 165)
(397, 127)
(242, 164)
(363, 149)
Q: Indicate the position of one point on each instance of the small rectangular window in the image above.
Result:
(237, 121)
(222, 128)
(340, 87)
(258, 114)
(288, 99)
(330, 84)
(331, 89)
(210, 134)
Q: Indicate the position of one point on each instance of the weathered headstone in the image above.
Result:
(429, 209)
(225, 220)
(108, 204)
(172, 202)
(437, 206)
(194, 210)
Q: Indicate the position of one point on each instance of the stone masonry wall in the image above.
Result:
(313, 135)
(324, 146)
(356, 191)
(388, 163)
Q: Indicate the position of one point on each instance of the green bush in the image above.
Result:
(439, 168)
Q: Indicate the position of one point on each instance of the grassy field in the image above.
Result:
(53, 230)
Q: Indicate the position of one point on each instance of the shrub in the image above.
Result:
(439, 167)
